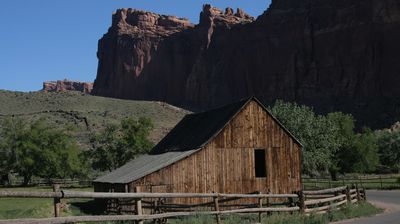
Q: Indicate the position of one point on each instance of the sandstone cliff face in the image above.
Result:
(332, 55)
(67, 85)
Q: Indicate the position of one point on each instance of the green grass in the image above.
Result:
(69, 109)
(12, 208)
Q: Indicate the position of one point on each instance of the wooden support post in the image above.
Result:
(302, 205)
(380, 178)
(260, 205)
(348, 195)
(139, 210)
(358, 193)
(268, 204)
(364, 194)
(57, 201)
(216, 207)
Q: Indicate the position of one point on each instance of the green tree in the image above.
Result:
(366, 157)
(318, 135)
(389, 150)
(39, 150)
(118, 144)
(11, 139)
(345, 137)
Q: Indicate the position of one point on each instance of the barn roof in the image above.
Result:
(192, 133)
(195, 130)
(142, 166)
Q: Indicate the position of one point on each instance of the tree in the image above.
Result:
(318, 135)
(366, 158)
(118, 144)
(11, 139)
(345, 137)
(389, 150)
(39, 150)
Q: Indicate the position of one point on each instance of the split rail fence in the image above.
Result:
(305, 202)
(369, 182)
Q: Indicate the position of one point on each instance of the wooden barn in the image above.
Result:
(238, 148)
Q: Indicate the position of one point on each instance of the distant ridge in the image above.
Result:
(67, 85)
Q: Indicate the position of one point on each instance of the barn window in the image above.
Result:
(259, 160)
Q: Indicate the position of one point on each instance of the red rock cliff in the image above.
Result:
(332, 55)
(67, 85)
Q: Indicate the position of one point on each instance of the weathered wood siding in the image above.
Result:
(226, 164)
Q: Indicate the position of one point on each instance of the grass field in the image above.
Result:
(11, 208)
(85, 113)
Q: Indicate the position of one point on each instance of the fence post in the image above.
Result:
(380, 178)
(268, 202)
(216, 207)
(57, 201)
(302, 205)
(364, 194)
(139, 210)
(260, 205)
(348, 195)
(358, 193)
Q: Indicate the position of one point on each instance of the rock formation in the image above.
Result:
(67, 85)
(332, 55)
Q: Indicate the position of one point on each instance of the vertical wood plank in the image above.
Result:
(139, 210)
(57, 201)
(216, 207)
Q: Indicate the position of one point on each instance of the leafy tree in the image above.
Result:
(118, 144)
(39, 150)
(366, 157)
(345, 137)
(389, 150)
(11, 139)
(318, 135)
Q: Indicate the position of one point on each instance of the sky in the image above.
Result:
(43, 40)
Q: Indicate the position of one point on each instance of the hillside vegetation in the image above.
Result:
(85, 114)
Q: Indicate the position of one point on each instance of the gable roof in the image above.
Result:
(195, 130)
(192, 133)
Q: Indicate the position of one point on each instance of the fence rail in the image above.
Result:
(304, 201)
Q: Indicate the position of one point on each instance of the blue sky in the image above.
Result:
(55, 39)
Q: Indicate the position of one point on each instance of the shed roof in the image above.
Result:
(192, 133)
(142, 166)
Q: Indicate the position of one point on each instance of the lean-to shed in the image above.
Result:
(237, 148)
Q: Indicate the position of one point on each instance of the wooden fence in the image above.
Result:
(304, 202)
(368, 182)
